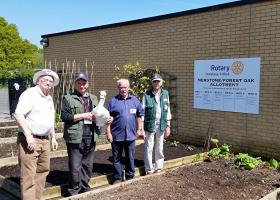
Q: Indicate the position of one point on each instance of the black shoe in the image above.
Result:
(72, 191)
(83, 190)
(129, 178)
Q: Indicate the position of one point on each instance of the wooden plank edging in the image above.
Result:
(104, 180)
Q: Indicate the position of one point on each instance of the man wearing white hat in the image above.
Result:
(35, 115)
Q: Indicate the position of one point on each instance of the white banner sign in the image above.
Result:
(227, 84)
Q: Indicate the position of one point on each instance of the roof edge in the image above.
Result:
(159, 17)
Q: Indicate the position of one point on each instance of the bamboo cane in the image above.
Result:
(86, 67)
(63, 84)
(74, 72)
(91, 77)
(58, 92)
(71, 76)
(68, 68)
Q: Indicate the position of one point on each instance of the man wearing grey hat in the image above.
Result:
(156, 124)
(35, 115)
(79, 134)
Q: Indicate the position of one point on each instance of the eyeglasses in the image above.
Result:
(44, 80)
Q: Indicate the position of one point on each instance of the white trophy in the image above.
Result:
(100, 112)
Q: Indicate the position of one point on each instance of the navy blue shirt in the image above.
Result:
(125, 113)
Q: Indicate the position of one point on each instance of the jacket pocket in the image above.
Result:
(148, 112)
(73, 132)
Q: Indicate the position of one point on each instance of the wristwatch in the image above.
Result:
(140, 129)
(168, 126)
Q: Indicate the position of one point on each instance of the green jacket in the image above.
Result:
(73, 131)
(150, 110)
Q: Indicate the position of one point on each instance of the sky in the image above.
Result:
(34, 18)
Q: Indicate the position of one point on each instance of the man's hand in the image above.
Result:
(88, 116)
(54, 144)
(109, 137)
(31, 144)
(110, 120)
(167, 132)
(141, 134)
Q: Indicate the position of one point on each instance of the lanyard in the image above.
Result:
(85, 102)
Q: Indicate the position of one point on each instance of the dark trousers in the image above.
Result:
(80, 163)
(117, 150)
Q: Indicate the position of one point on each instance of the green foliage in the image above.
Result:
(57, 118)
(196, 158)
(274, 164)
(222, 151)
(138, 75)
(17, 56)
(214, 141)
(225, 150)
(241, 160)
(245, 161)
(189, 148)
(174, 143)
(215, 152)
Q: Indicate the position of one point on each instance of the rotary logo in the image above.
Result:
(237, 67)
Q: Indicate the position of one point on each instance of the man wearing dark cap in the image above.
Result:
(79, 134)
(156, 124)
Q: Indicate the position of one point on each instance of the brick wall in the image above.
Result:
(249, 30)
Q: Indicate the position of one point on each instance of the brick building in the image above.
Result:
(242, 29)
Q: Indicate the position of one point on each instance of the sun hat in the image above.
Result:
(156, 77)
(46, 72)
(81, 76)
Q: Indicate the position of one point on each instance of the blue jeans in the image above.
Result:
(117, 150)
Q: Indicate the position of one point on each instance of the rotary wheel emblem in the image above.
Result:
(237, 67)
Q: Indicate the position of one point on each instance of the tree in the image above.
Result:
(18, 56)
(138, 75)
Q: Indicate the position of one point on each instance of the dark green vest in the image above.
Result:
(73, 131)
(150, 110)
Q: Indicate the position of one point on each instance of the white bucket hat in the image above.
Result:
(46, 72)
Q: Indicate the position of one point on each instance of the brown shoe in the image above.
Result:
(117, 181)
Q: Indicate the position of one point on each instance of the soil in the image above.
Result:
(217, 179)
(102, 163)
(207, 180)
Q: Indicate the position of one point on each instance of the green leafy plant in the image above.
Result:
(225, 150)
(174, 143)
(222, 151)
(245, 161)
(196, 158)
(57, 118)
(139, 77)
(274, 164)
(215, 152)
(189, 148)
(214, 141)
(242, 160)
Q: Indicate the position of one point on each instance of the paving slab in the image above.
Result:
(275, 195)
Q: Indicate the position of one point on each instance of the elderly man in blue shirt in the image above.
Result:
(127, 125)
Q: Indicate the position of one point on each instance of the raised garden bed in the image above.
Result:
(102, 163)
(207, 180)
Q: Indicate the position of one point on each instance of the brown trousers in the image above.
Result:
(34, 167)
